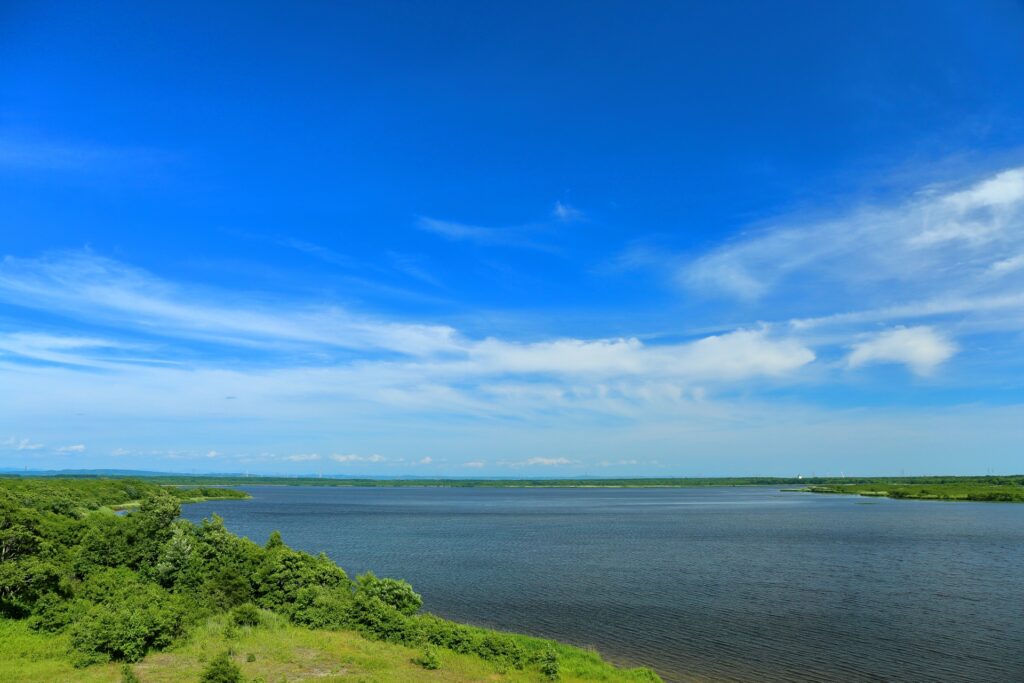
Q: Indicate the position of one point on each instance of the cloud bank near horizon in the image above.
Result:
(908, 295)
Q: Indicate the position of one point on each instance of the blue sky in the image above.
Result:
(527, 239)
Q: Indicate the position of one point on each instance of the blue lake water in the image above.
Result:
(713, 584)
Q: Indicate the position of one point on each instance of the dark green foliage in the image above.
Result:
(246, 614)
(319, 607)
(54, 613)
(127, 617)
(250, 658)
(394, 592)
(221, 670)
(429, 658)
(283, 572)
(377, 619)
(24, 581)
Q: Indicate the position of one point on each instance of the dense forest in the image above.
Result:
(113, 587)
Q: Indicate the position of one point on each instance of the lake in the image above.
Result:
(703, 584)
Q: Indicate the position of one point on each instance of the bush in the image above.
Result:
(246, 614)
(373, 617)
(127, 618)
(221, 670)
(318, 607)
(284, 572)
(399, 594)
(429, 658)
(52, 613)
(549, 664)
(128, 676)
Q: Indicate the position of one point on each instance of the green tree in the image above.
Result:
(221, 670)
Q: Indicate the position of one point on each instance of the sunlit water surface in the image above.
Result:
(717, 584)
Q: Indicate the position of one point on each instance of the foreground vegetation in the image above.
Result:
(990, 489)
(85, 592)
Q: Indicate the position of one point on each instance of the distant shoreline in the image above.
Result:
(994, 488)
(967, 491)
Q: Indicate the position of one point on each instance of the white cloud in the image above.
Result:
(932, 247)
(118, 452)
(22, 444)
(425, 461)
(303, 457)
(736, 355)
(1002, 189)
(548, 461)
(213, 454)
(76, 448)
(474, 463)
(920, 348)
(95, 289)
(1007, 265)
(357, 458)
(56, 349)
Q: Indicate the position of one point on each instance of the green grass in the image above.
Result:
(948, 490)
(283, 651)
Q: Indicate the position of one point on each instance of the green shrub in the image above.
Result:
(394, 592)
(53, 613)
(548, 661)
(319, 607)
(428, 659)
(246, 614)
(283, 572)
(127, 618)
(375, 618)
(127, 675)
(221, 670)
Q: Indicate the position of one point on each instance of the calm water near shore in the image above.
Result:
(717, 584)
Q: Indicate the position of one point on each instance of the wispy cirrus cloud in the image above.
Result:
(538, 236)
(23, 444)
(522, 237)
(20, 152)
(95, 289)
(89, 287)
(567, 213)
(938, 244)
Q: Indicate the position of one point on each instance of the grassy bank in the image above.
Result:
(949, 490)
(281, 651)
